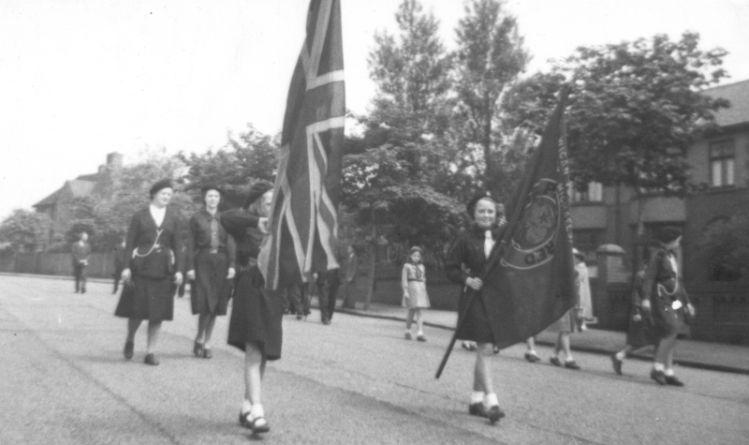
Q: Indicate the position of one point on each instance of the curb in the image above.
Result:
(580, 348)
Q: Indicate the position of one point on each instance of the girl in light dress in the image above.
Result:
(415, 297)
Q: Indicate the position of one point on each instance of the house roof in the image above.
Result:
(79, 188)
(738, 94)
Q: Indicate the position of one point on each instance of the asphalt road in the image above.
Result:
(63, 381)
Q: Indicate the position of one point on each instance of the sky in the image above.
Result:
(83, 78)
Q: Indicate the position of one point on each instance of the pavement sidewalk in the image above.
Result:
(696, 354)
(691, 353)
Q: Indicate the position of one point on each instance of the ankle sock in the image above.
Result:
(246, 406)
(257, 411)
(659, 367)
(491, 400)
(619, 355)
(669, 372)
(477, 397)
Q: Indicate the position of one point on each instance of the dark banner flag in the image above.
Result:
(303, 220)
(531, 276)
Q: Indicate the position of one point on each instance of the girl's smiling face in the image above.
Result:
(485, 213)
(416, 257)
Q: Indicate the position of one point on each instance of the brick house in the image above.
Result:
(59, 205)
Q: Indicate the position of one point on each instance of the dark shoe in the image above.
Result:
(532, 357)
(476, 409)
(555, 361)
(128, 351)
(151, 360)
(299, 316)
(197, 349)
(469, 346)
(494, 414)
(571, 364)
(673, 381)
(616, 363)
(257, 424)
(207, 353)
(658, 376)
(326, 321)
(408, 336)
(421, 337)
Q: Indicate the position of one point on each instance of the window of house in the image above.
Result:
(722, 163)
(593, 192)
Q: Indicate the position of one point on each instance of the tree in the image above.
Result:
(489, 58)
(725, 246)
(247, 157)
(635, 108)
(25, 230)
(412, 77)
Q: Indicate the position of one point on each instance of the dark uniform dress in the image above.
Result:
(211, 252)
(157, 256)
(256, 312)
(668, 299)
(640, 332)
(467, 259)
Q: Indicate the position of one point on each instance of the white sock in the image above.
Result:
(257, 411)
(669, 372)
(659, 366)
(569, 359)
(620, 355)
(491, 399)
(532, 352)
(477, 397)
(246, 406)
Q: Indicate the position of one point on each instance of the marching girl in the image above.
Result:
(210, 264)
(415, 297)
(255, 324)
(665, 299)
(464, 265)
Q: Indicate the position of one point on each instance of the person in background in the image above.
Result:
(120, 262)
(255, 323)
(327, 289)
(639, 331)
(464, 264)
(666, 301)
(155, 270)
(530, 350)
(210, 268)
(80, 252)
(350, 267)
(564, 327)
(415, 297)
(582, 281)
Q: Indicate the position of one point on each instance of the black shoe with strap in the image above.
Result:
(658, 376)
(673, 381)
(477, 409)
(494, 413)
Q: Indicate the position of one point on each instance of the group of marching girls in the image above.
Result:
(220, 257)
(660, 305)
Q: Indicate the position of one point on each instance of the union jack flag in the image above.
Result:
(303, 220)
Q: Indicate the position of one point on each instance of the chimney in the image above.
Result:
(114, 161)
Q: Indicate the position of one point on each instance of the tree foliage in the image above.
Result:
(725, 246)
(24, 230)
(411, 72)
(489, 57)
(247, 157)
(636, 107)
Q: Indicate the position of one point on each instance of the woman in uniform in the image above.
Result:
(155, 262)
(210, 265)
(255, 324)
(465, 265)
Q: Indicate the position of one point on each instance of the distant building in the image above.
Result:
(719, 167)
(59, 204)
